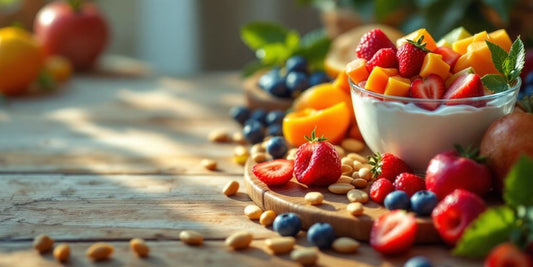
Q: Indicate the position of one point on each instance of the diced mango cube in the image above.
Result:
(501, 38)
(414, 36)
(433, 63)
(461, 46)
(356, 70)
(480, 36)
(478, 56)
(378, 78)
(397, 86)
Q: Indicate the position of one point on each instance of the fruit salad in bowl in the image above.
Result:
(416, 98)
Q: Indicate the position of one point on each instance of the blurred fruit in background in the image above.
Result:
(21, 59)
(74, 29)
(59, 67)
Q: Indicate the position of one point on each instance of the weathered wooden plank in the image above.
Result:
(214, 253)
(100, 124)
(115, 207)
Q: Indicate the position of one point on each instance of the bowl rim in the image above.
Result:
(513, 89)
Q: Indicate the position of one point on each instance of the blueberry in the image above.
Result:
(296, 82)
(296, 63)
(275, 130)
(253, 131)
(240, 113)
(259, 115)
(274, 117)
(529, 79)
(266, 79)
(276, 147)
(318, 78)
(274, 84)
(418, 261)
(397, 200)
(423, 202)
(287, 224)
(321, 235)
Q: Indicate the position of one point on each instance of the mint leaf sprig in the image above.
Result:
(509, 65)
(273, 44)
(511, 222)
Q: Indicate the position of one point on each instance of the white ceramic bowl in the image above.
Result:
(399, 126)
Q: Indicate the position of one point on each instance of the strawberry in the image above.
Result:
(455, 212)
(394, 232)
(507, 255)
(274, 172)
(380, 189)
(411, 56)
(431, 87)
(409, 183)
(387, 166)
(448, 55)
(466, 85)
(371, 42)
(317, 162)
(460, 168)
(385, 57)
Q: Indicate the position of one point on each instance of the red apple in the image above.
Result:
(74, 29)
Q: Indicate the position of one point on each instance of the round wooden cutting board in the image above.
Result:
(290, 198)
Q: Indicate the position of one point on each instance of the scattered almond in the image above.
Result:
(43, 243)
(253, 212)
(231, 188)
(140, 247)
(209, 164)
(100, 251)
(345, 245)
(280, 245)
(355, 208)
(267, 217)
(340, 188)
(314, 198)
(62, 252)
(305, 256)
(356, 195)
(219, 136)
(359, 183)
(191, 238)
(239, 240)
(238, 138)
(352, 145)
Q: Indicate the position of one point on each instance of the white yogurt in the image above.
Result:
(416, 135)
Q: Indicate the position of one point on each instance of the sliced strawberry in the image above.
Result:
(385, 57)
(274, 172)
(387, 166)
(393, 232)
(380, 189)
(409, 183)
(448, 55)
(317, 162)
(466, 85)
(431, 87)
(371, 42)
(411, 57)
(507, 255)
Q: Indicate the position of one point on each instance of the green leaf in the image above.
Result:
(518, 183)
(490, 229)
(273, 54)
(517, 58)
(498, 56)
(495, 82)
(314, 47)
(258, 34)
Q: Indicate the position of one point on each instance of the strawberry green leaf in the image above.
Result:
(495, 82)
(517, 56)
(490, 229)
(499, 56)
(518, 183)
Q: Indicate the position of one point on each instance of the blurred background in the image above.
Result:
(184, 37)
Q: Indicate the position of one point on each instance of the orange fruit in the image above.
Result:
(342, 49)
(331, 122)
(342, 83)
(320, 97)
(434, 64)
(414, 36)
(21, 59)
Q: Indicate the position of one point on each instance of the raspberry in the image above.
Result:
(380, 189)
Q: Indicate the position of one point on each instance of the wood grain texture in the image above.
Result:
(102, 124)
(214, 253)
(290, 198)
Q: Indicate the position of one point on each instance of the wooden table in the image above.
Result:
(112, 157)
